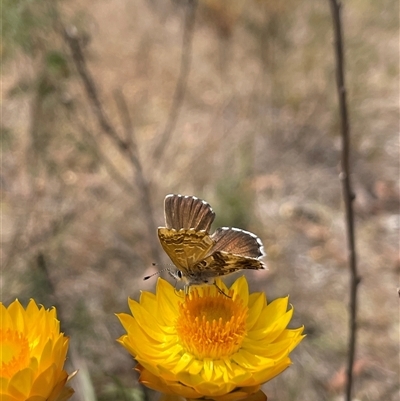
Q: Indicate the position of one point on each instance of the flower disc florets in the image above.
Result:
(211, 325)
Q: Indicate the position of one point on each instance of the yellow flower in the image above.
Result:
(207, 344)
(32, 354)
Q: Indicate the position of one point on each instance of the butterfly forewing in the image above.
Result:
(187, 212)
(185, 247)
(237, 242)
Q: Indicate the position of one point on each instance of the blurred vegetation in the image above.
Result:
(256, 136)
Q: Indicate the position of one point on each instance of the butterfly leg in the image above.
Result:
(220, 290)
(186, 289)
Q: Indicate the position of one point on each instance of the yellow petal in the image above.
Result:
(273, 330)
(3, 385)
(251, 361)
(212, 389)
(148, 301)
(185, 360)
(195, 367)
(36, 398)
(126, 320)
(6, 397)
(241, 288)
(256, 305)
(20, 384)
(184, 391)
(167, 303)
(46, 381)
(271, 312)
(16, 312)
(146, 322)
(236, 373)
(46, 357)
(142, 344)
(244, 393)
(5, 319)
(158, 384)
(267, 374)
(60, 350)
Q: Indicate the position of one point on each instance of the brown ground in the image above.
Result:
(257, 137)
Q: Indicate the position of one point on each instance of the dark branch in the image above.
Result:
(126, 120)
(113, 172)
(127, 147)
(182, 80)
(348, 194)
(128, 127)
(72, 39)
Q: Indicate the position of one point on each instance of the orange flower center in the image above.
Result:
(211, 325)
(14, 352)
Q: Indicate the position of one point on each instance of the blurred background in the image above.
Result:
(108, 106)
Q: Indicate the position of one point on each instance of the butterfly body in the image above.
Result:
(199, 256)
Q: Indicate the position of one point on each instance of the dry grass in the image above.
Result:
(257, 137)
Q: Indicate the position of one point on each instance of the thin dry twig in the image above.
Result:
(71, 37)
(140, 177)
(125, 146)
(348, 193)
(180, 88)
(90, 140)
(127, 123)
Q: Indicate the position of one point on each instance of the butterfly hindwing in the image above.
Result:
(222, 263)
(237, 242)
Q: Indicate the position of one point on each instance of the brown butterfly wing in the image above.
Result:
(233, 250)
(237, 242)
(185, 247)
(194, 252)
(187, 212)
(222, 263)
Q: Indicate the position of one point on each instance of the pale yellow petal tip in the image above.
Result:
(185, 354)
(67, 392)
(72, 375)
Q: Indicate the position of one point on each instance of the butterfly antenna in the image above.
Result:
(155, 274)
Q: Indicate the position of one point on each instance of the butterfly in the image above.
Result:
(199, 256)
